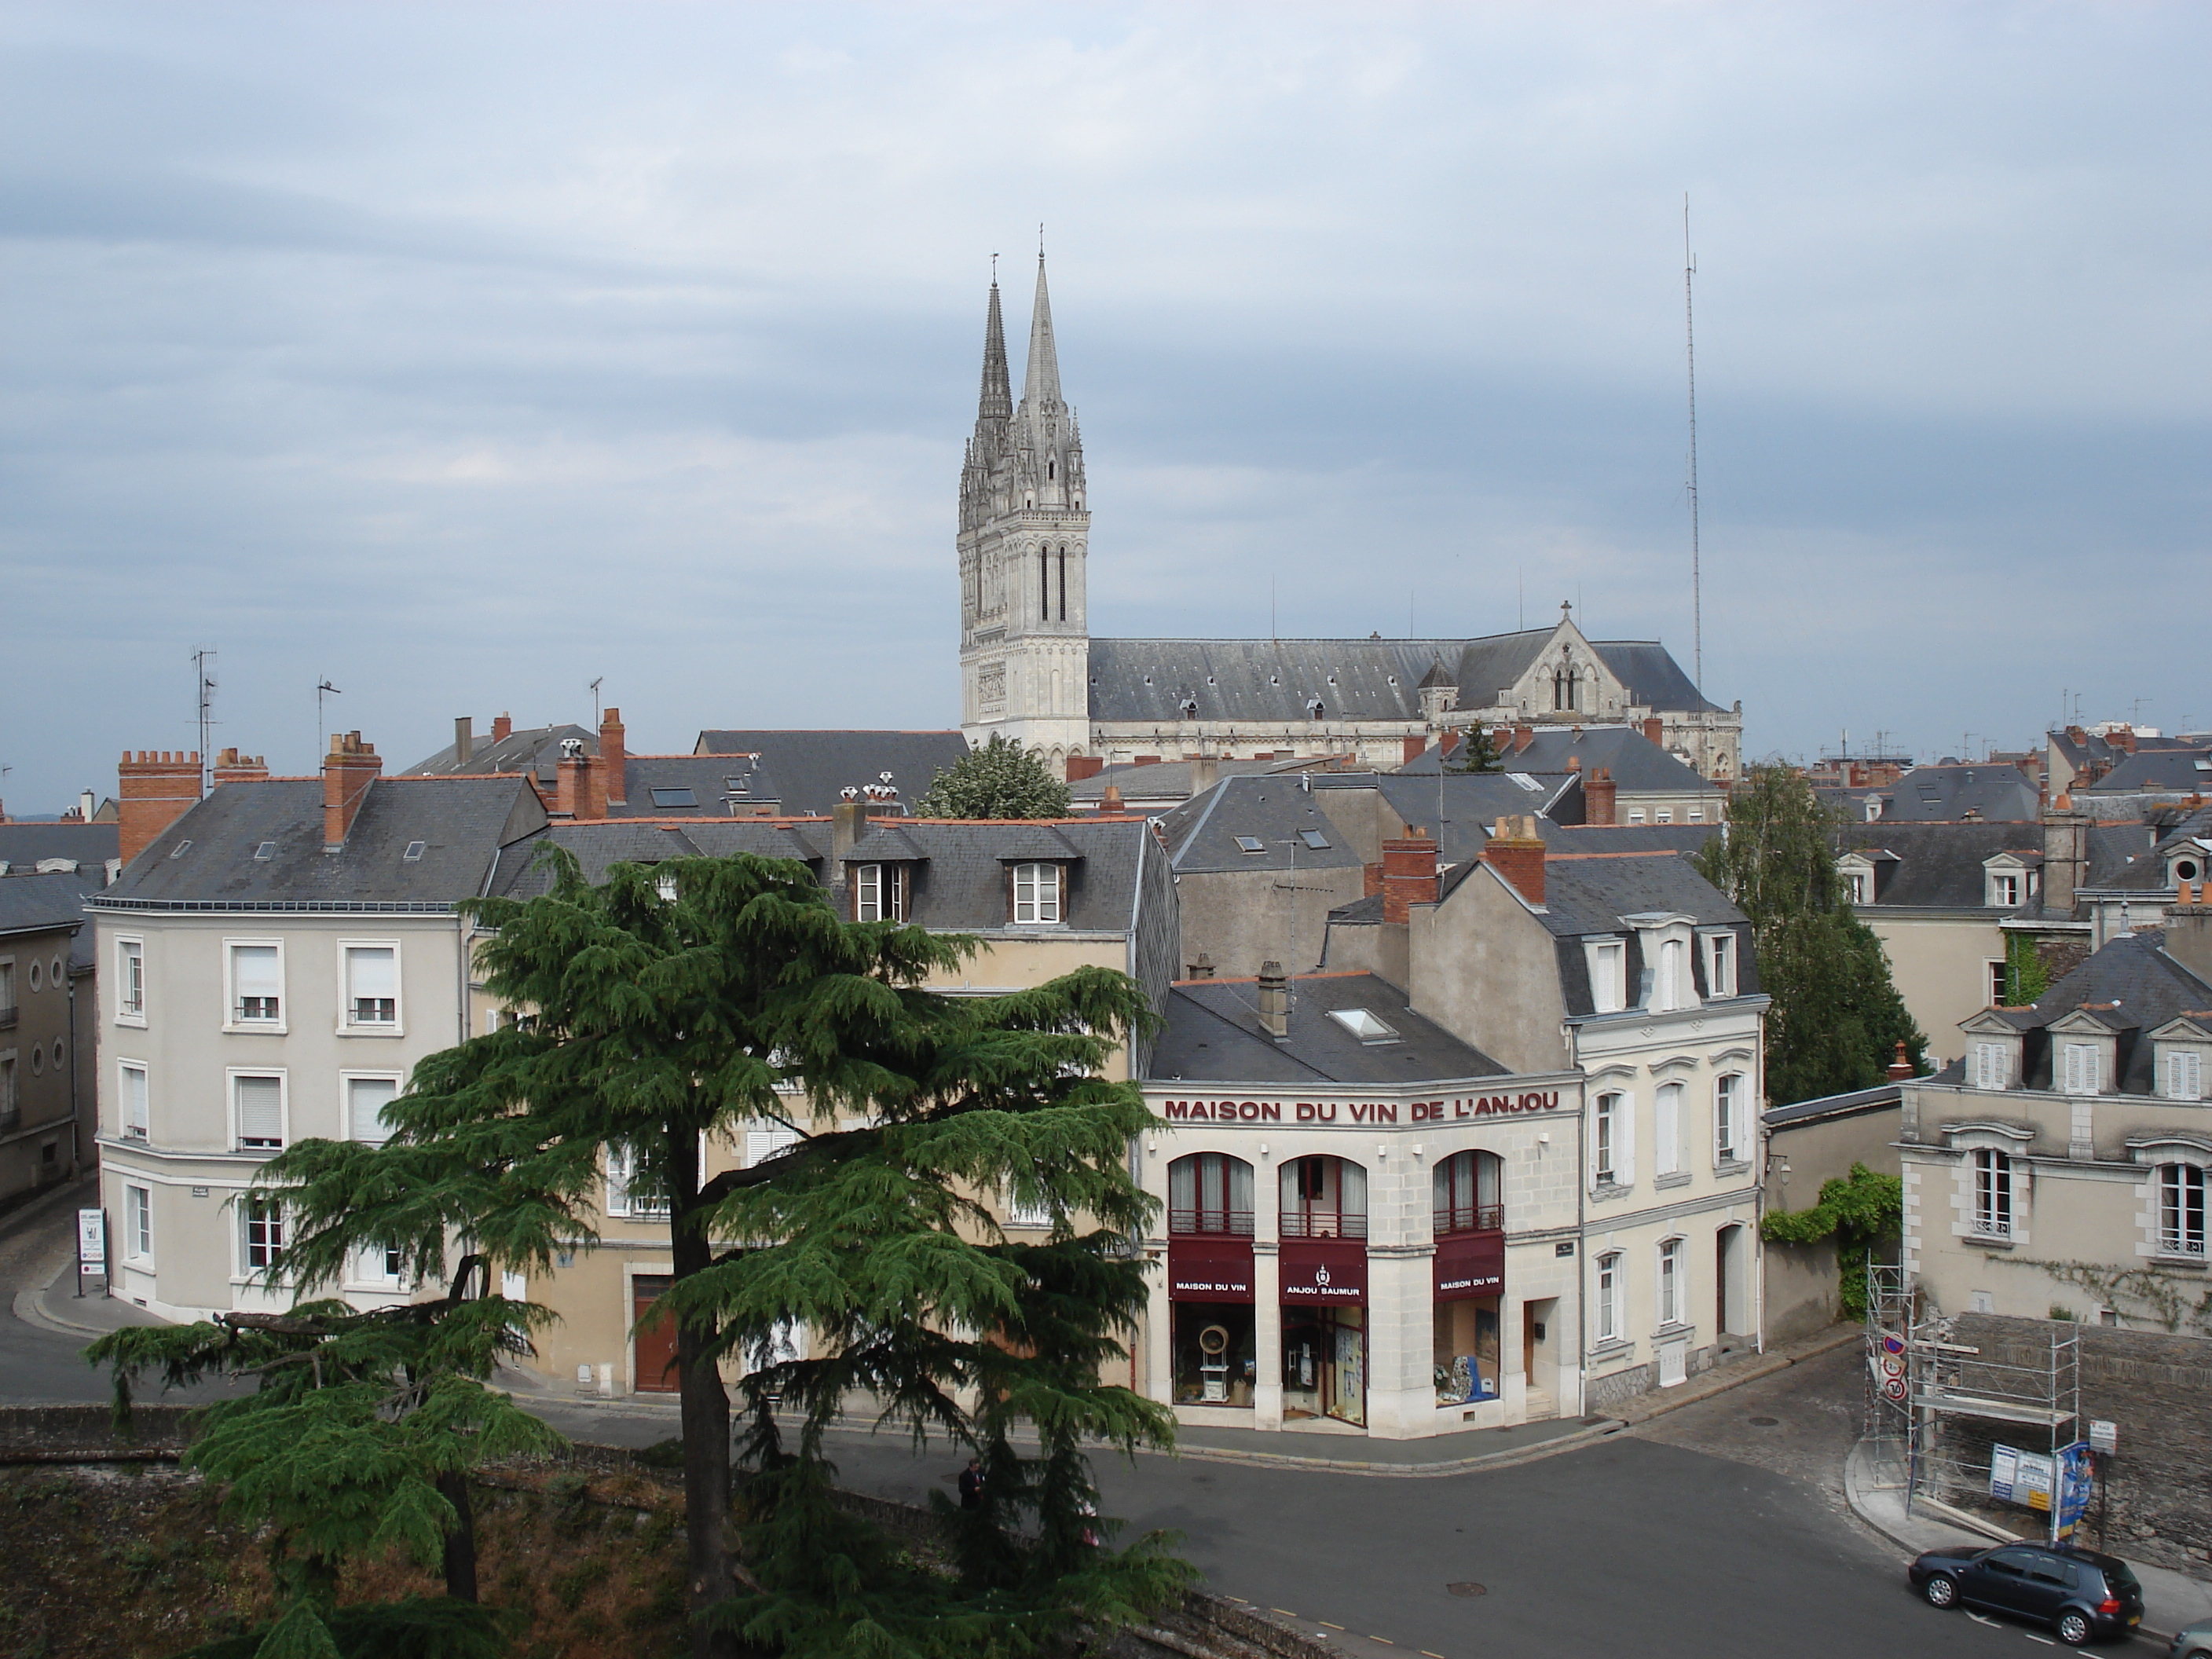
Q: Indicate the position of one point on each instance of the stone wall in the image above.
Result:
(88, 1434)
(2156, 1389)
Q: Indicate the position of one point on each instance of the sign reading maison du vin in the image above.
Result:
(1358, 1114)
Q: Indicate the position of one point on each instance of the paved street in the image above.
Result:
(1719, 1529)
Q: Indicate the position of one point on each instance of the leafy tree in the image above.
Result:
(357, 1438)
(653, 1024)
(1861, 1212)
(1001, 780)
(1836, 1019)
(1478, 754)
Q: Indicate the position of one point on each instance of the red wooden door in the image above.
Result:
(655, 1336)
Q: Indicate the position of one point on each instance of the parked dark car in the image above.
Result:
(2077, 1593)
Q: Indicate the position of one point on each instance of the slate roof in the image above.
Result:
(1213, 1034)
(1201, 833)
(2166, 771)
(1640, 766)
(810, 769)
(1939, 866)
(207, 858)
(719, 785)
(90, 845)
(1171, 781)
(1843, 1105)
(1589, 893)
(38, 904)
(534, 749)
(1683, 838)
(1996, 792)
(1270, 682)
(621, 841)
(2150, 988)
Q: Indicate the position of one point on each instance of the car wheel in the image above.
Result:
(2074, 1629)
(1941, 1591)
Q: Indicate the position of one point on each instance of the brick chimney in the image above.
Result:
(1522, 737)
(1275, 1001)
(502, 727)
(1080, 767)
(614, 761)
(1415, 749)
(579, 789)
(231, 767)
(1899, 1068)
(1654, 732)
(1516, 851)
(348, 770)
(1599, 794)
(1110, 799)
(1409, 876)
(151, 793)
(2189, 929)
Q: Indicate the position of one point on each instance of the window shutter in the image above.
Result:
(1624, 1140)
(375, 971)
(2183, 1075)
(365, 1099)
(253, 970)
(762, 1144)
(617, 1182)
(1668, 1130)
(135, 1114)
(261, 1110)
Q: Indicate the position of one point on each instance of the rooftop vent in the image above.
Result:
(266, 851)
(1364, 1026)
(572, 749)
(415, 851)
(679, 797)
(1251, 843)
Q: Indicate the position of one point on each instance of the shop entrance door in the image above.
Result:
(1325, 1364)
(1347, 1368)
(654, 1345)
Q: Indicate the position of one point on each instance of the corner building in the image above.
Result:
(1365, 1223)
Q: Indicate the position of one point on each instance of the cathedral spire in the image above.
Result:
(997, 402)
(1041, 383)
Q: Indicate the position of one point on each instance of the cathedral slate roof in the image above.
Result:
(1274, 682)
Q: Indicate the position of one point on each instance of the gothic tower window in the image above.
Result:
(1063, 583)
(1044, 585)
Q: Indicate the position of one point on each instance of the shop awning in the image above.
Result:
(1209, 1268)
(1473, 1264)
(1324, 1272)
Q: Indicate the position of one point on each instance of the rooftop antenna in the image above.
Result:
(1521, 593)
(1690, 344)
(1272, 632)
(203, 665)
(995, 270)
(595, 701)
(324, 688)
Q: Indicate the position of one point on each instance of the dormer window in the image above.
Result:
(2081, 1068)
(1037, 893)
(1991, 1065)
(879, 892)
(1855, 886)
(1609, 974)
(1720, 964)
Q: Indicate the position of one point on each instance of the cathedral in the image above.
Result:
(1030, 670)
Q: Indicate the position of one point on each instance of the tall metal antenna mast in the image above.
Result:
(202, 659)
(325, 689)
(1690, 343)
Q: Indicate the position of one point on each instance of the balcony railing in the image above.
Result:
(1993, 1226)
(2181, 1243)
(1470, 1218)
(1309, 1222)
(1230, 1223)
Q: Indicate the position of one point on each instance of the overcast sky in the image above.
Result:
(463, 354)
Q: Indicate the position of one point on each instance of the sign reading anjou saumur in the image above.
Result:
(1360, 1113)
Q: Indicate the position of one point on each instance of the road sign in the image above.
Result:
(2103, 1437)
(92, 1241)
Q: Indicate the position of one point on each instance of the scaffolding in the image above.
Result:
(1970, 1408)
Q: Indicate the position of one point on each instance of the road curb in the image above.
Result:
(1496, 1460)
(28, 1309)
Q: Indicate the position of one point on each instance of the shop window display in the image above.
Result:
(1466, 1350)
(1216, 1358)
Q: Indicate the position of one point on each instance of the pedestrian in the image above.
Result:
(971, 1485)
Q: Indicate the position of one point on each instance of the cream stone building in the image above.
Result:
(1030, 670)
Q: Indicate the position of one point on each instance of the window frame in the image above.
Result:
(2093, 1067)
(348, 1024)
(1612, 1301)
(2179, 1061)
(1721, 978)
(130, 950)
(1729, 1097)
(144, 1133)
(1606, 961)
(1034, 869)
(347, 1078)
(872, 884)
(276, 1229)
(2182, 1197)
(1666, 1128)
(232, 1076)
(2005, 887)
(1673, 1282)
(1613, 1145)
(1996, 1202)
(619, 1203)
(138, 1225)
(232, 1020)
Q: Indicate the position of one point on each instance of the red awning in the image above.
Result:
(1209, 1269)
(1324, 1273)
(1473, 1264)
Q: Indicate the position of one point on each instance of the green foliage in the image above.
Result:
(1001, 780)
(1478, 754)
(416, 1628)
(2144, 1295)
(2026, 977)
(1862, 1211)
(746, 1000)
(1836, 1018)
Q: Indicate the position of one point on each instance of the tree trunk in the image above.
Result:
(461, 1541)
(705, 1405)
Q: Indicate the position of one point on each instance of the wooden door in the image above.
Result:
(653, 1343)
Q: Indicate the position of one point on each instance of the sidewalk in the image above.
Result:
(1876, 1492)
(56, 1306)
(1734, 1372)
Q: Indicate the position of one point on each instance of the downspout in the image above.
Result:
(1759, 1204)
(77, 1116)
(1581, 1228)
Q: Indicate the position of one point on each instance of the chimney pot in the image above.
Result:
(1516, 851)
(348, 771)
(502, 726)
(1275, 1001)
(1654, 730)
(1899, 1068)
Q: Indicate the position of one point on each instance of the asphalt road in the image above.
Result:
(39, 1365)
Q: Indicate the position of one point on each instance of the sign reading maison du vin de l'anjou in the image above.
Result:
(1358, 1114)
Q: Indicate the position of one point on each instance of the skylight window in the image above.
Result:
(675, 797)
(1251, 843)
(415, 851)
(180, 850)
(1367, 1027)
(738, 785)
(1315, 838)
(1527, 782)
(266, 851)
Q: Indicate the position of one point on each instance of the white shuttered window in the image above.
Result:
(260, 1111)
(365, 1099)
(372, 984)
(257, 984)
(2081, 1069)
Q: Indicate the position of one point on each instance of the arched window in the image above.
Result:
(1044, 584)
(1469, 1193)
(2181, 1209)
(1063, 582)
(1049, 475)
(1324, 1198)
(1209, 1192)
(1558, 689)
(1992, 1193)
(1574, 687)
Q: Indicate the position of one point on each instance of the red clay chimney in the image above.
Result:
(1080, 767)
(502, 727)
(1516, 851)
(231, 767)
(1900, 1068)
(1654, 730)
(1409, 875)
(1415, 749)
(613, 784)
(579, 788)
(1599, 794)
(1522, 737)
(151, 793)
(348, 770)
